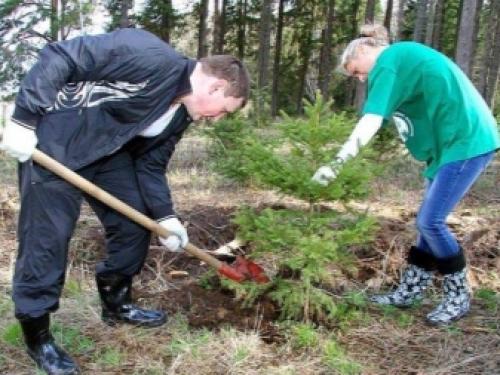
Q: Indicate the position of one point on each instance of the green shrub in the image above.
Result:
(303, 244)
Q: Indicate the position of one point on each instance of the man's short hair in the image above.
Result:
(231, 69)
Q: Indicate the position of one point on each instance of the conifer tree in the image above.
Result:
(303, 244)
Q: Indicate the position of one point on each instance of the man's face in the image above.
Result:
(211, 104)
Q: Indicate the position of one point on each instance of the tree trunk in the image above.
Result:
(264, 44)
(466, 38)
(216, 26)
(430, 22)
(420, 21)
(277, 59)
(242, 16)
(400, 19)
(202, 29)
(437, 26)
(475, 33)
(222, 28)
(325, 62)
(489, 74)
(166, 21)
(54, 28)
(124, 7)
(370, 11)
(388, 15)
(351, 86)
(360, 96)
(305, 50)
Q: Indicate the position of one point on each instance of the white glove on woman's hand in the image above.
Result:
(324, 175)
(179, 237)
(18, 141)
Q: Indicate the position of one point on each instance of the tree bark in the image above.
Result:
(430, 22)
(466, 38)
(388, 15)
(222, 28)
(242, 16)
(351, 85)
(370, 11)
(489, 74)
(437, 27)
(166, 20)
(305, 51)
(277, 59)
(420, 21)
(216, 25)
(360, 95)
(124, 8)
(400, 19)
(54, 28)
(264, 44)
(325, 62)
(202, 29)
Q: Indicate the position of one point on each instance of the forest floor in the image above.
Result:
(209, 332)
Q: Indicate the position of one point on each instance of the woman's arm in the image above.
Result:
(363, 132)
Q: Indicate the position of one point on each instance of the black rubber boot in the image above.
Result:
(117, 306)
(43, 350)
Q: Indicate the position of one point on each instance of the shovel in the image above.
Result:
(242, 269)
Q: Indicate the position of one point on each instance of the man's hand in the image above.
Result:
(18, 141)
(324, 175)
(179, 237)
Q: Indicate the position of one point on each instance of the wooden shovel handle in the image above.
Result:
(75, 179)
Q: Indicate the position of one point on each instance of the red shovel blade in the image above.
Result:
(251, 270)
(244, 269)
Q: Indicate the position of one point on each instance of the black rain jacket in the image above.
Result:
(92, 95)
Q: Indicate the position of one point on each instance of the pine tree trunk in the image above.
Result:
(351, 87)
(400, 19)
(222, 28)
(437, 26)
(202, 29)
(430, 22)
(325, 62)
(216, 25)
(370, 11)
(264, 44)
(305, 50)
(242, 16)
(360, 96)
(475, 33)
(420, 21)
(491, 58)
(388, 15)
(277, 59)
(124, 8)
(466, 38)
(54, 29)
(166, 21)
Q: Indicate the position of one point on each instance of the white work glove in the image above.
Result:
(18, 141)
(324, 175)
(179, 237)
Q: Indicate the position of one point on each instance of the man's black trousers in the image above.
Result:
(49, 210)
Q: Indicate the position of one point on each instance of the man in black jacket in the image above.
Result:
(112, 107)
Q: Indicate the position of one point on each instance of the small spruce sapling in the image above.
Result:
(305, 242)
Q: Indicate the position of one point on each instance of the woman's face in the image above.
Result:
(362, 63)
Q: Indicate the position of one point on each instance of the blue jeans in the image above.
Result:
(442, 194)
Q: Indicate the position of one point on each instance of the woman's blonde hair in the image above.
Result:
(372, 35)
